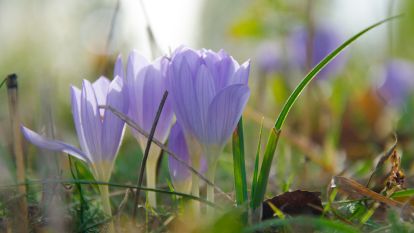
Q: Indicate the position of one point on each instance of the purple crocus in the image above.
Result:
(323, 41)
(99, 131)
(208, 91)
(146, 86)
(397, 81)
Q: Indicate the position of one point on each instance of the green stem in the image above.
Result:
(195, 191)
(151, 174)
(211, 170)
(106, 205)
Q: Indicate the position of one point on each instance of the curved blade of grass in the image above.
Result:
(116, 185)
(146, 153)
(261, 185)
(403, 193)
(239, 166)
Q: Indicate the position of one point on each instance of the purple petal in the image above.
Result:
(135, 63)
(182, 92)
(221, 66)
(192, 58)
(205, 89)
(113, 127)
(100, 88)
(91, 121)
(224, 112)
(53, 145)
(178, 146)
(153, 91)
(241, 76)
(76, 112)
(134, 86)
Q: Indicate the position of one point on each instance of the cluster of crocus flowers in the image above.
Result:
(145, 84)
(99, 131)
(208, 91)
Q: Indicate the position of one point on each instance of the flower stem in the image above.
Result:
(211, 170)
(106, 205)
(151, 174)
(195, 186)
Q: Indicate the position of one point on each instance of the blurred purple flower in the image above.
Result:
(146, 85)
(268, 57)
(99, 131)
(323, 42)
(208, 91)
(398, 81)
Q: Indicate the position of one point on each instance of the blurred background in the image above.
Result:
(341, 123)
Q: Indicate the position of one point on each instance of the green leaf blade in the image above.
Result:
(260, 187)
(239, 166)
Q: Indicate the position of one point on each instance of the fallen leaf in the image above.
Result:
(294, 203)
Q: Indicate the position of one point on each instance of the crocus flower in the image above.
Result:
(323, 41)
(99, 131)
(146, 86)
(208, 91)
(397, 81)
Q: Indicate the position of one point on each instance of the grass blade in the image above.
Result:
(261, 185)
(256, 162)
(147, 150)
(298, 90)
(239, 166)
(111, 184)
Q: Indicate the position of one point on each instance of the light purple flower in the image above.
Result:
(324, 41)
(208, 91)
(398, 81)
(146, 86)
(99, 131)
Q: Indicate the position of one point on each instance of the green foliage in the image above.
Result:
(239, 166)
(270, 149)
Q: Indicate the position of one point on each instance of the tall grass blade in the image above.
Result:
(239, 166)
(146, 153)
(256, 162)
(261, 185)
